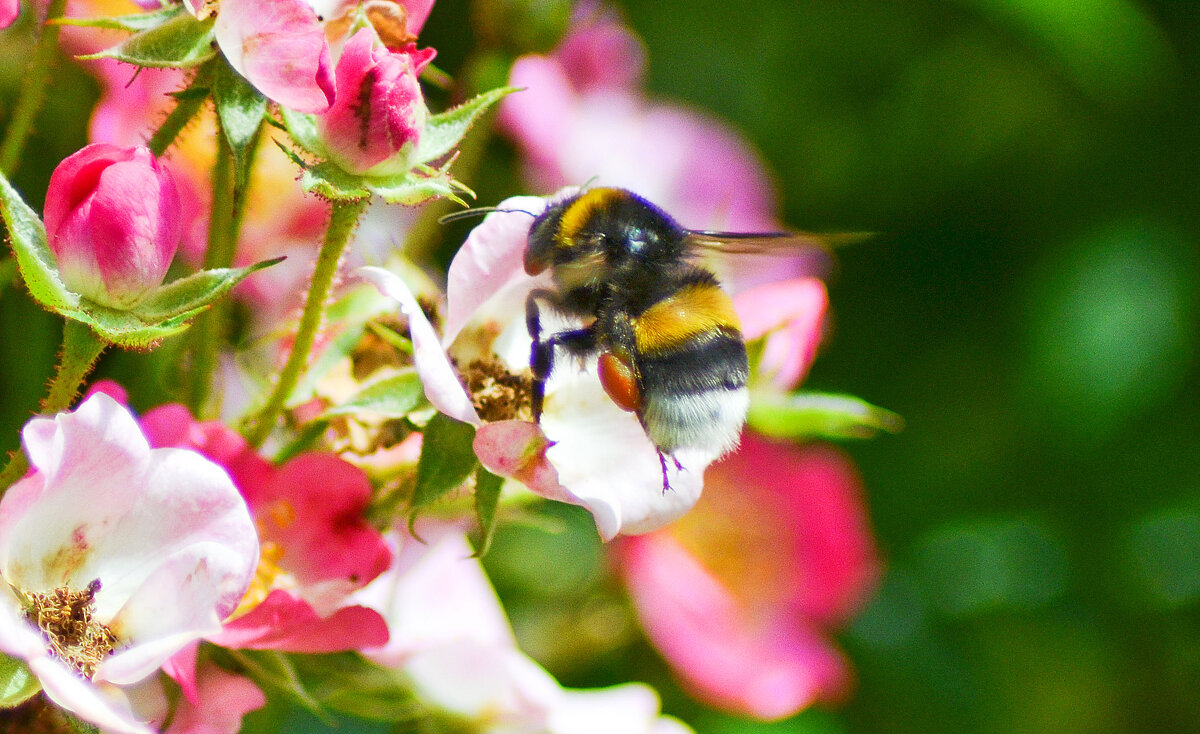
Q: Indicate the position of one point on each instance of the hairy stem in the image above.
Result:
(342, 221)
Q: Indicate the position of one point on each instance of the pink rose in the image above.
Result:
(113, 221)
(378, 112)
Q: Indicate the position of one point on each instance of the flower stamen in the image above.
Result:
(498, 394)
(65, 616)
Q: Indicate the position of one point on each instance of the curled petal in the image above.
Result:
(280, 47)
(440, 381)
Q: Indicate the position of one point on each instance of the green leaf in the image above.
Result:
(487, 498)
(181, 41)
(818, 415)
(303, 129)
(350, 684)
(241, 109)
(17, 683)
(132, 23)
(444, 131)
(36, 262)
(392, 397)
(447, 459)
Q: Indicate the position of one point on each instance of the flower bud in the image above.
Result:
(378, 111)
(113, 222)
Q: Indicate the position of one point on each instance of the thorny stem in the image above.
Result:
(33, 91)
(342, 221)
(188, 104)
(81, 348)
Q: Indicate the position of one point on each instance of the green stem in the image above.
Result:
(81, 348)
(208, 331)
(33, 91)
(342, 221)
(187, 105)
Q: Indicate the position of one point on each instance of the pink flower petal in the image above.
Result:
(280, 47)
(9, 10)
(490, 266)
(286, 622)
(223, 699)
(438, 376)
(769, 672)
(791, 314)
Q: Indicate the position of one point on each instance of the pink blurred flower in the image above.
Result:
(454, 644)
(790, 315)
(223, 698)
(156, 545)
(739, 595)
(279, 46)
(9, 10)
(378, 112)
(583, 115)
(113, 222)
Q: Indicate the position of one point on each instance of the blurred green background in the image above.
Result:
(1030, 307)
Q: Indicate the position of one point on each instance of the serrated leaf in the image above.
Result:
(444, 131)
(132, 23)
(241, 109)
(350, 684)
(394, 396)
(818, 415)
(181, 42)
(447, 459)
(487, 498)
(17, 683)
(37, 264)
(303, 129)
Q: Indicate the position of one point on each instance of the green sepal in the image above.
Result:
(447, 459)
(131, 23)
(348, 683)
(808, 415)
(394, 396)
(303, 129)
(37, 264)
(181, 42)
(445, 130)
(17, 683)
(164, 313)
(241, 109)
(487, 499)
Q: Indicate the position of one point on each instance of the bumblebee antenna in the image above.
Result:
(479, 211)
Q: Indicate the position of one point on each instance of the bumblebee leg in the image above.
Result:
(662, 460)
(541, 356)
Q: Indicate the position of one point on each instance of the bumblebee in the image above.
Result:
(669, 343)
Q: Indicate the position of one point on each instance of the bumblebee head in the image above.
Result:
(600, 229)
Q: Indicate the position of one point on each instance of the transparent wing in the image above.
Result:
(770, 243)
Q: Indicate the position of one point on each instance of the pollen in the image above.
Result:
(64, 616)
(497, 393)
(266, 577)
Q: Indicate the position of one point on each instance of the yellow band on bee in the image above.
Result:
(696, 309)
(577, 215)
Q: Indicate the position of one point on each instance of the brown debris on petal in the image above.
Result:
(65, 617)
(497, 393)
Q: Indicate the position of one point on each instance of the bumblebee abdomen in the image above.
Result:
(695, 396)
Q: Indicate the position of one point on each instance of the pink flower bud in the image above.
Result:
(378, 111)
(113, 221)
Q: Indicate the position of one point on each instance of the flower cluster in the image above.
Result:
(295, 520)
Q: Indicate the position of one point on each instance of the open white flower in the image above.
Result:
(114, 556)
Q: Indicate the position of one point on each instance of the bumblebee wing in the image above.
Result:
(769, 243)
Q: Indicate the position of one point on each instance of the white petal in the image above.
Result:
(438, 377)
